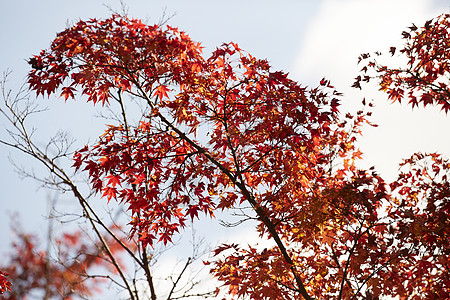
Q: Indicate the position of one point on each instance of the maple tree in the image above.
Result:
(79, 258)
(226, 132)
(32, 271)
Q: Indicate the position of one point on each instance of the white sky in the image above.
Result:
(308, 39)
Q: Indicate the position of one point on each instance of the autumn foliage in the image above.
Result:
(5, 285)
(226, 131)
(65, 274)
(425, 77)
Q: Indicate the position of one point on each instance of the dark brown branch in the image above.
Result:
(174, 285)
(259, 210)
(148, 274)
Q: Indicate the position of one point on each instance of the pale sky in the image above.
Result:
(308, 39)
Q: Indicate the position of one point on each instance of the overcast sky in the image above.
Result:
(308, 39)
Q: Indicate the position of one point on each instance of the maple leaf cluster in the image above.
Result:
(5, 285)
(225, 131)
(269, 121)
(426, 75)
(423, 209)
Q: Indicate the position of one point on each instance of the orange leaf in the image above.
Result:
(161, 91)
